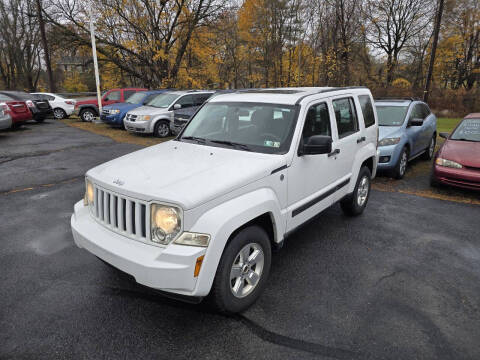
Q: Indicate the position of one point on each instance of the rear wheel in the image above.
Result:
(162, 129)
(354, 203)
(401, 167)
(59, 113)
(87, 115)
(243, 271)
(428, 154)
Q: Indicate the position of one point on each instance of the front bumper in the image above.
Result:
(113, 120)
(388, 156)
(142, 127)
(170, 268)
(464, 178)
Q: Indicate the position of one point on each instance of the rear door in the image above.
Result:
(350, 135)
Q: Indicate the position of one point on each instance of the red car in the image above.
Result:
(88, 109)
(457, 162)
(18, 110)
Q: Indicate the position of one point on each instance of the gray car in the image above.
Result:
(155, 116)
(5, 118)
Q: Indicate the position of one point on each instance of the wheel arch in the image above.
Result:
(259, 207)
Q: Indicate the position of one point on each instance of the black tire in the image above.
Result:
(87, 115)
(59, 113)
(399, 170)
(354, 204)
(433, 181)
(162, 129)
(221, 296)
(430, 150)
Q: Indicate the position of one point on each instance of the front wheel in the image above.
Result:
(401, 166)
(354, 203)
(243, 271)
(428, 154)
(162, 129)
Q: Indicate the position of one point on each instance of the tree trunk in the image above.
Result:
(41, 23)
(438, 21)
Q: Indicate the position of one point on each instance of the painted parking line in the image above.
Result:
(68, 181)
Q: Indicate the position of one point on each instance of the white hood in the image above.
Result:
(183, 173)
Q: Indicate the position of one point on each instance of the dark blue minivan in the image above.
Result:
(113, 114)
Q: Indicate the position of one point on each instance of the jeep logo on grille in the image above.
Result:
(118, 182)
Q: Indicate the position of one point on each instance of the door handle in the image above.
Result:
(334, 152)
(361, 139)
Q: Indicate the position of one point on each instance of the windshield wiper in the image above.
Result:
(231, 143)
(194, 138)
(463, 139)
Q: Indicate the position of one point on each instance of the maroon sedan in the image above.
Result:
(457, 162)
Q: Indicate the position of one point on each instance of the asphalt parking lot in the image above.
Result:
(400, 282)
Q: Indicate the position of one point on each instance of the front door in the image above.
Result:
(311, 176)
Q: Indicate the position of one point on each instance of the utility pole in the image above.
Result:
(41, 23)
(436, 32)
(95, 62)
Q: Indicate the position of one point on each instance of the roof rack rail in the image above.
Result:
(395, 98)
(330, 90)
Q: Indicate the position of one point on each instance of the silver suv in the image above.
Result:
(155, 116)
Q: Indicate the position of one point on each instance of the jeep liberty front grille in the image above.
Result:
(121, 214)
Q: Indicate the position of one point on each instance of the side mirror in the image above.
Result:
(316, 144)
(177, 106)
(444, 135)
(415, 122)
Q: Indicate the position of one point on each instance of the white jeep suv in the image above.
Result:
(199, 215)
(155, 116)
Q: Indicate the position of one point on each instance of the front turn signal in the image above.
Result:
(198, 266)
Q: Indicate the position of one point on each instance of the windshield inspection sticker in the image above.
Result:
(270, 143)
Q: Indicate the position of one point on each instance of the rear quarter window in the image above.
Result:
(367, 110)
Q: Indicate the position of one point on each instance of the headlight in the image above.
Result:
(114, 111)
(144, 117)
(89, 193)
(193, 239)
(165, 224)
(448, 163)
(389, 141)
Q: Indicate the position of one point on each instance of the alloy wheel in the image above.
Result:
(163, 130)
(247, 269)
(362, 191)
(58, 113)
(403, 163)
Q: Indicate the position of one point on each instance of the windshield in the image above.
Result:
(468, 130)
(163, 100)
(136, 98)
(391, 115)
(259, 127)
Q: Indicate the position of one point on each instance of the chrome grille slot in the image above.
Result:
(121, 214)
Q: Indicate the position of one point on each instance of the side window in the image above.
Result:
(345, 116)
(128, 93)
(200, 99)
(367, 110)
(417, 112)
(317, 122)
(425, 111)
(48, 97)
(113, 95)
(186, 101)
